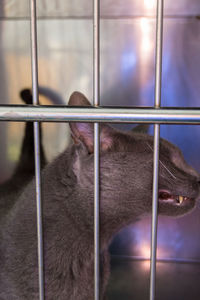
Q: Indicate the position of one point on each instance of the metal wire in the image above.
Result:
(161, 260)
(158, 83)
(100, 114)
(159, 46)
(96, 55)
(37, 147)
(103, 17)
(96, 212)
(154, 212)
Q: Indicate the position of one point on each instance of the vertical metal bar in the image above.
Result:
(96, 51)
(34, 59)
(154, 212)
(96, 212)
(96, 58)
(158, 83)
(159, 48)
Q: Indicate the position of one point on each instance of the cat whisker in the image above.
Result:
(167, 169)
(163, 164)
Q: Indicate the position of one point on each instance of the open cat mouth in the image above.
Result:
(177, 200)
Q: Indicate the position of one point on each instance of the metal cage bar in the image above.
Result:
(96, 77)
(34, 60)
(158, 83)
(96, 213)
(100, 114)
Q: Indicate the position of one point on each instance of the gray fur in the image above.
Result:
(67, 188)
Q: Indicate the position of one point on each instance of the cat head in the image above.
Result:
(126, 170)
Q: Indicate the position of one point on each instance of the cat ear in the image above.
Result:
(84, 132)
(78, 99)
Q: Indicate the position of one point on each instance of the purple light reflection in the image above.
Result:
(175, 239)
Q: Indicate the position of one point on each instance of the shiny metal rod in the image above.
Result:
(34, 60)
(159, 47)
(96, 88)
(109, 115)
(158, 85)
(39, 209)
(96, 51)
(159, 259)
(154, 224)
(96, 212)
(104, 17)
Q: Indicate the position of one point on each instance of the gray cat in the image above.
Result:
(67, 188)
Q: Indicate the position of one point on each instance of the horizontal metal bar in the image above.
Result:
(99, 114)
(163, 259)
(103, 17)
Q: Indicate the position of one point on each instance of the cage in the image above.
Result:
(126, 79)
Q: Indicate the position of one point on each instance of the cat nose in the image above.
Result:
(198, 184)
(198, 179)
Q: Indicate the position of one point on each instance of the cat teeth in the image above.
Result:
(166, 197)
(180, 199)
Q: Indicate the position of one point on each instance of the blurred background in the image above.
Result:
(127, 68)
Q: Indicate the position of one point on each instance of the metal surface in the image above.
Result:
(77, 8)
(127, 60)
(129, 280)
(111, 115)
(96, 89)
(37, 148)
(158, 84)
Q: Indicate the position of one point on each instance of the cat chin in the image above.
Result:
(173, 211)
